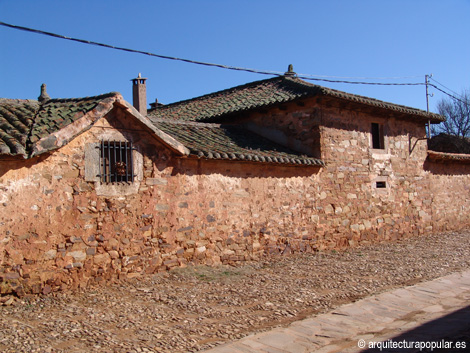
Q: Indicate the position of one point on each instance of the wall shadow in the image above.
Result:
(448, 168)
(241, 169)
(454, 327)
(7, 165)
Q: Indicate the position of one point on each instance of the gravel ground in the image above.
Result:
(196, 308)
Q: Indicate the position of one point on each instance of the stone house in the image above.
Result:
(93, 189)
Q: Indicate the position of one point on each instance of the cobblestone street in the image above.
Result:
(198, 308)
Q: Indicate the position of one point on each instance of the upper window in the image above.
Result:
(377, 133)
(116, 164)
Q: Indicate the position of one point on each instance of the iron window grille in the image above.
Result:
(116, 162)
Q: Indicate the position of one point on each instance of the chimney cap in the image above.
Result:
(290, 71)
(139, 77)
(43, 96)
(156, 104)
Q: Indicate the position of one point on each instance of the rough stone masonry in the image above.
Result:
(62, 227)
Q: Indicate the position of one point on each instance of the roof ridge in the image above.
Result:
(99, 96)
(17, 100)
(225, 102)
(183, 122)
(253, 83)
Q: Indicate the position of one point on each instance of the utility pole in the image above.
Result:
(426, 81)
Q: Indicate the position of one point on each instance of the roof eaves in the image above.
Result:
(435, 156)
(247, 157)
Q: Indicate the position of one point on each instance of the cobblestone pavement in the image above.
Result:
(197, 308)
(430, 316)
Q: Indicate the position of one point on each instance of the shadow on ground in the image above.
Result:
(450, 333)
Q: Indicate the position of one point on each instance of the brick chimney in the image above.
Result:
(139, 94)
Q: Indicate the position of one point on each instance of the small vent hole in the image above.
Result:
(381, 184)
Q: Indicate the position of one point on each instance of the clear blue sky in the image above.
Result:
(369, 38)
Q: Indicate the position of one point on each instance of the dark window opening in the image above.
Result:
(380, 184)
(116, 162)
(377, 133)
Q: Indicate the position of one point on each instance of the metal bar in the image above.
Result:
(109, 162)
(131, 168)
(125, 154)
(117, 159)
(100, 162)
(103, 166)
(114, 164)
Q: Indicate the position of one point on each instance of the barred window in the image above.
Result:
(116, 162)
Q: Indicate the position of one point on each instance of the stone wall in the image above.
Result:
(61, 228)
(350, 206)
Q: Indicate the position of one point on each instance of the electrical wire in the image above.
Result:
(37, 31)
(331, 79)
(455, 93)
(362, 78)
(362, 82)
(450, 95)
(228, 67)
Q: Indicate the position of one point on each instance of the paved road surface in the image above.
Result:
(430, 313)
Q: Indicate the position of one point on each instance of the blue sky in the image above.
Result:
(399, 38)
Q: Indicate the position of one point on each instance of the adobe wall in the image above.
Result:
(60, 229)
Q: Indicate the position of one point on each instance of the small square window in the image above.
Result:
(116, 162)
(381, 184)
(377, 133)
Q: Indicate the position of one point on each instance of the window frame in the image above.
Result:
(92, 169)
(381, 185)
(377, 136)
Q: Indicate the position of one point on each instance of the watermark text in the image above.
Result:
(421, 345)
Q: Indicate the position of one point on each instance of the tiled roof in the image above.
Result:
(24, 122)
(55, 114)
(16, 119)
(448, 157)
(449, 148)
(260, 94)
(214, 141)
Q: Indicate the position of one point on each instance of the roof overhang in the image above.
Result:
(444, 157)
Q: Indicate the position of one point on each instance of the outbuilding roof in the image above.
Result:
(261, 94)
(216, 141)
